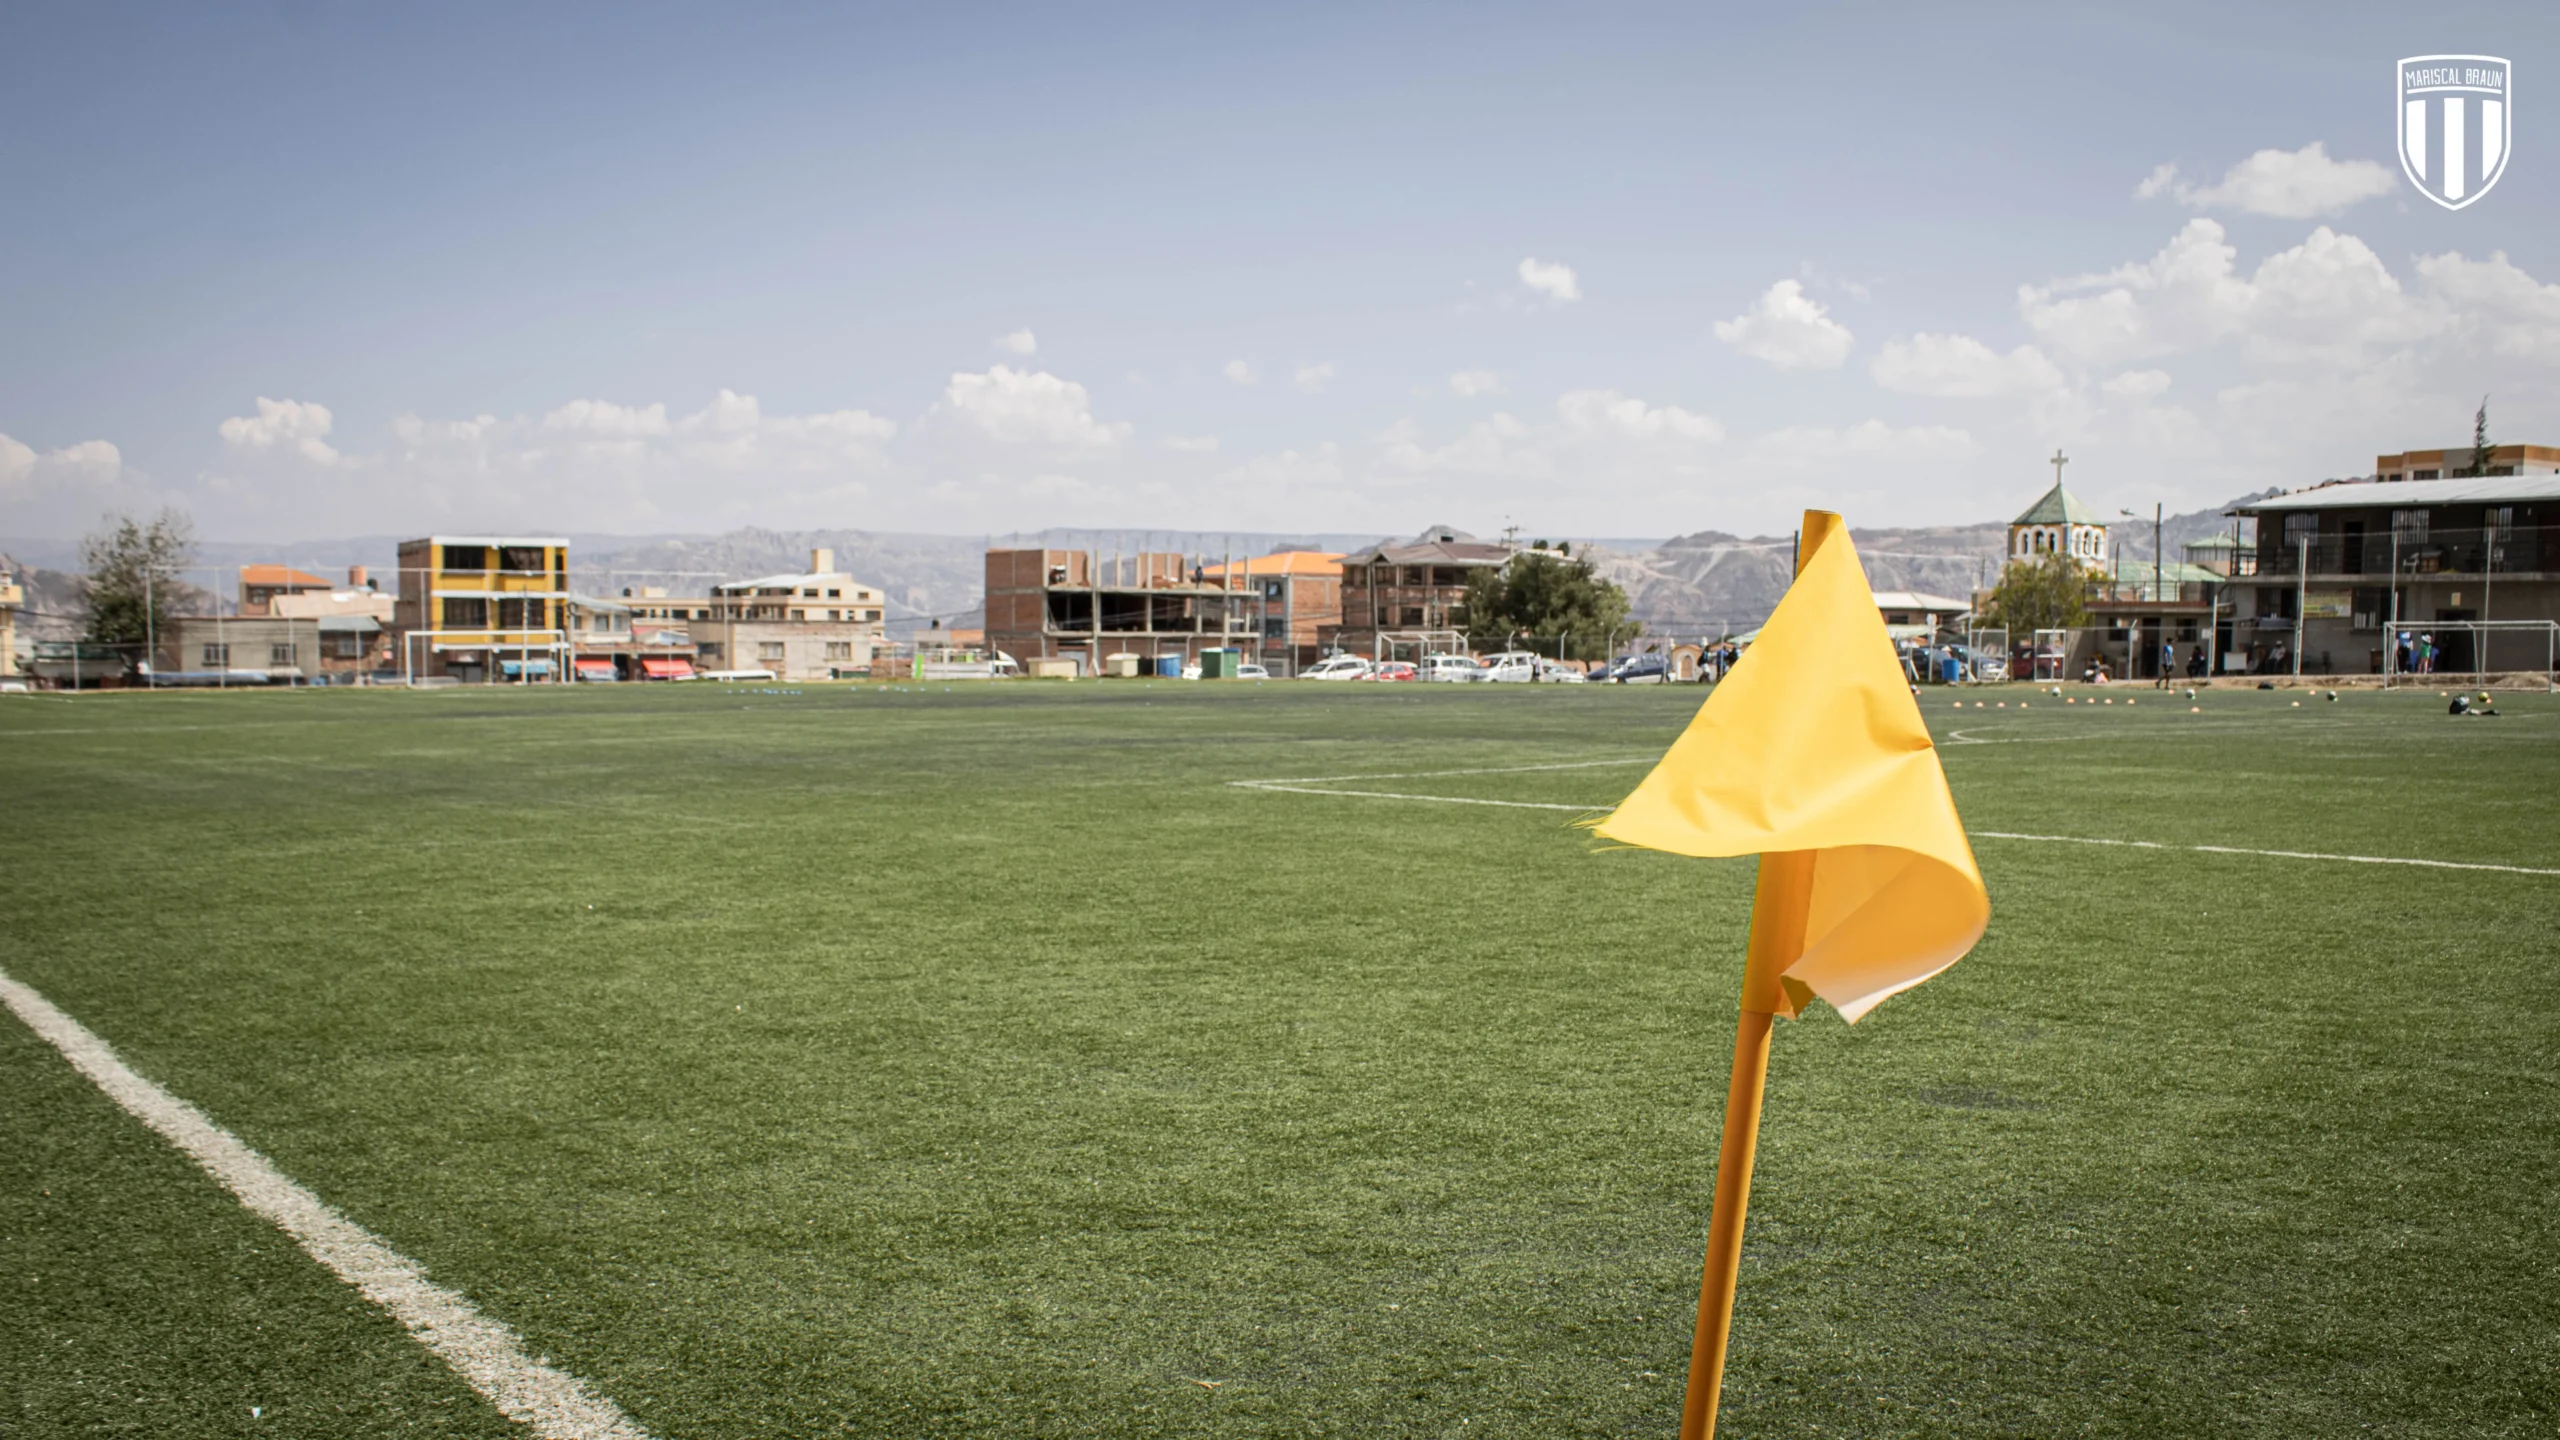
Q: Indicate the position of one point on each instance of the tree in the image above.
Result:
(1549, 598)
(2479, 441)
(2044, 594)
(133, 574)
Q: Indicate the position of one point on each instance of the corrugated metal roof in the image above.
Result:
(2412, 494)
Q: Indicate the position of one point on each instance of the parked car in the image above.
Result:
(1554, 672)
(1456, 669)
(1634, 670)
(1392, 670)
(1247, 670)
(1338, 667)
(1511, 667)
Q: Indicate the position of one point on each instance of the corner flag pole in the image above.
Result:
(1779, 906)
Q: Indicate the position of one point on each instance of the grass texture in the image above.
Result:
(911, 1061)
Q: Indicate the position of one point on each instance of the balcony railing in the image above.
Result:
(2439, 552)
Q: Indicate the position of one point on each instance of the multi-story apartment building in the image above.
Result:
(484, 607)
(12, 595)
(1293, 595)
(1409, 598)
(2468, 566)
(811, 626)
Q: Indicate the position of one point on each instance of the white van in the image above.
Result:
(1336, 667)
(1456, 669)
(1512, 667)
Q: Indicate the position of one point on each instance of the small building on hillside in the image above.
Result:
(483, 607)
(815, 625)
(1154, 604)
(1406, 598)
(1293, 595)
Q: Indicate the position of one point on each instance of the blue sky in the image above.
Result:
(315, 270)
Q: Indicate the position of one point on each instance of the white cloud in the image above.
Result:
(2328, 300)
(1311, 379)
(2287, 184)
(66, 490)
(1959, 366)
(1608, 412)
(1472, 383)
(1788, 329)
(1241, 372)
(303, 427)
(2138, 384)
(603, 417)
(2186, 295)
(1018, 342)
(1028, 407)
(2496, 307)
(1197, 444)
(1868, 440)
(1553, 280)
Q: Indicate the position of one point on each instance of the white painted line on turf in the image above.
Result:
(2274, 854)
(1431, 774)
(485, 1353)
(1392, 795)
(1291, 789)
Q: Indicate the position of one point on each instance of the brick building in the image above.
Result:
(1402, 599)
(1080, 603)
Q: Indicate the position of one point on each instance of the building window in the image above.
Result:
(2300, 530)
(279, 656)
(466, 557)
(2426, 474)
(342, 647)
(2501, 522)
(524, 614)
(769, 650)
(835, 594)
(522, 559)
(839, 649)
(710, 649)
(216, 656)
(470, 614)
(1412, 615)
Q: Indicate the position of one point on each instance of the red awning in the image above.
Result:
(657, 668)
(591, 667)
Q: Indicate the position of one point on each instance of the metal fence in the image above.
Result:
(2478, 550)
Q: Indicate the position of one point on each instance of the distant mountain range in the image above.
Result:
(1688, 585)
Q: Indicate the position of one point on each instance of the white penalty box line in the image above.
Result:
(488, 1355)
(1330, 785)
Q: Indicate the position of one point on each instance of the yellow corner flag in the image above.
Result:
(1814, 744)
(1812, 755)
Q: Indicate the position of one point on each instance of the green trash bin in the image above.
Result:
(1220, 664)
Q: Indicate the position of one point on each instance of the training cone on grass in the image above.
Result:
(1811, 755)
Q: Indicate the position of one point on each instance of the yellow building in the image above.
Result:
(11, 597)
(484, 607)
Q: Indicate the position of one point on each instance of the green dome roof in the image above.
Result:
(2058, 507)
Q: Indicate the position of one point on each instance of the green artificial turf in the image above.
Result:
(911, 1061)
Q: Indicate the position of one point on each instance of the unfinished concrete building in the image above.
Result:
(1091, 605)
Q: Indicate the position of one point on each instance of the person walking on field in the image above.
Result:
(2403, 656)
(2168, 664)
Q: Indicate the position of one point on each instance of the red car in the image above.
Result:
(1391, 670)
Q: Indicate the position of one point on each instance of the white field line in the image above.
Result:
(485, 1353)
(2275, 854)
(1308, 787)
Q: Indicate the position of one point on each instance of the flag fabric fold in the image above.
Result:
(1815, 743)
